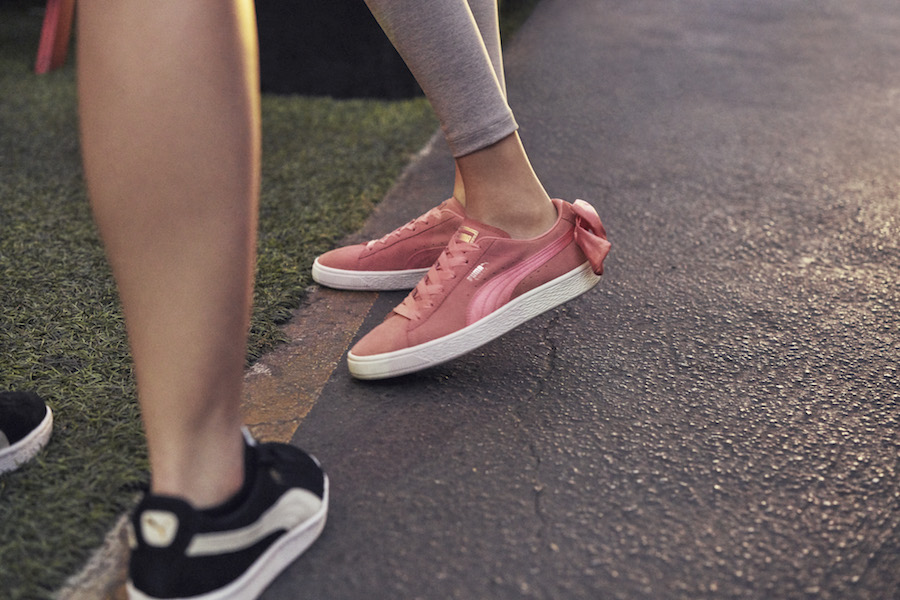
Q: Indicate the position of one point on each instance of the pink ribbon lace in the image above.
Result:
(433, 283)
(421, 220)
(590, 235)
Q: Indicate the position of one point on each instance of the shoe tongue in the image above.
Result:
(472, 230)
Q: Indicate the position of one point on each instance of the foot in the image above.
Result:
(26, 423)
(483, 285)
(235, 550)
(396, 261)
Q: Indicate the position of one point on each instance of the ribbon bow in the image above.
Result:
(590, 234)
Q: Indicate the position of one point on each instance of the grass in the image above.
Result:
(325, 165)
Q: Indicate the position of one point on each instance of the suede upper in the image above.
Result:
(482, 269)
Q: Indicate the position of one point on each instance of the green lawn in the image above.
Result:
(325, 165)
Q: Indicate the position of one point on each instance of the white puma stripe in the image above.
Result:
(292, 508)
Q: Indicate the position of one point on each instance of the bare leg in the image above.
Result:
(503, 190)
(170, 130)
(443, 47)
(505, 164)
(488, 20)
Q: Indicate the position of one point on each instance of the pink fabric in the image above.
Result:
(415, 245)
(474, 277)
(590, 235)
(498, 290)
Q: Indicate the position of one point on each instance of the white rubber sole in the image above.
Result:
(25, 449)
(384, 281)
(523, 308)
(268, 566)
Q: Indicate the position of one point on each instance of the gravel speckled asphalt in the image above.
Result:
(720, 418)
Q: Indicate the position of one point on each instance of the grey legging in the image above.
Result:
(453, 49)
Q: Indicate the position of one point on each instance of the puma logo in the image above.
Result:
(158, 528)
(476, 272)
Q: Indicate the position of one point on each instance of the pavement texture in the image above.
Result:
(720, 418)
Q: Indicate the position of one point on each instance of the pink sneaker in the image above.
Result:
(398, 260)
(483, 285)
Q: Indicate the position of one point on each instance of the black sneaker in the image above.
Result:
(25, 427)
(234, 550)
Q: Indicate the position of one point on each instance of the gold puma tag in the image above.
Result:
(467, 234)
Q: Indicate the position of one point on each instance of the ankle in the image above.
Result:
(459, 188)
(524, 221)
(204, 479)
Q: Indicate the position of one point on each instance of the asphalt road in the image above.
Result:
(719, 418)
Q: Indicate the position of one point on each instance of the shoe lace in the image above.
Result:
(431, 287)
(420, 221)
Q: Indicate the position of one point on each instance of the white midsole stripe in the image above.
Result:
(294, 507)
